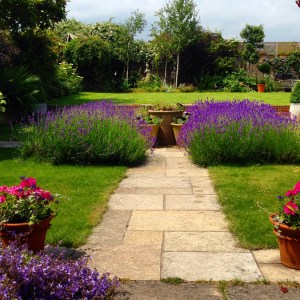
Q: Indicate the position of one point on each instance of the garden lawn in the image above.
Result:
(86, 187)
(274, 98)
(248, 195)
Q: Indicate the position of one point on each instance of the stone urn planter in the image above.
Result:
(295, 110)
(176, 129)
(165, 135)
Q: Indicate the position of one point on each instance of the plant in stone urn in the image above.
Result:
(26, 211)
(177, 124)
(286, 223)
(167, 112)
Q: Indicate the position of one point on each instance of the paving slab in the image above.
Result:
(271, 268)
(165, 191)
(203, 191)
(181, 162)
(191, 202)
(279, 272)
(178, 221)
(184, 172)
(146, 182)
(201, 181)
(143, 238)
(136, 202)
(150, 290)
(201, 241)
(168, 152)
(194, 266)
(270, 256)
(134, 262)
(111, 231)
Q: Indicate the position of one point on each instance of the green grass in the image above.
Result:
(248, 195)
(274, 98)
(88, 189)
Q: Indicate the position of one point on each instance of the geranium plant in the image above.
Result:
(25, 202)
(289, 212)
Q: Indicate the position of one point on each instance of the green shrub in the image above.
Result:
(150, 83)
(186, 88)
(295, 95)
(239, 82)
(68, 79)
(21, 90)
(265, 68)
(94, 133)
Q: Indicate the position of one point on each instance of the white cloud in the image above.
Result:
(281, 19)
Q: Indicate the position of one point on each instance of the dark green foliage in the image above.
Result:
(253, 37)
(295, 95)
(38, 56)
(264, 68)
(21, 90)
(23, 15)
(8, 49)
(95, 63)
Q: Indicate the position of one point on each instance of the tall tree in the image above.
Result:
(253, 37)
(179, 20)
(133, 25)
(23, 15)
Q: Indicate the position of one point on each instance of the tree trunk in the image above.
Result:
(177, 69)
(127, 70)
(166, 67)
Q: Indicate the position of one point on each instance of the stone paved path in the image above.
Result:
(164, 221)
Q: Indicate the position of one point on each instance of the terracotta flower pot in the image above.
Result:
(32, 235)
(261, 87)
(165, 136)
(289, 244)
(176, 130)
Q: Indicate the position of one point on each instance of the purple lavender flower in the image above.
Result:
(239, 132)
(48, 276)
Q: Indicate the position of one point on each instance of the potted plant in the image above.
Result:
(295, 101)
(145, 119)
(167, 112)
(265, 69)
(25, 213)
(286, 223)
(177, 124)
(261, 84)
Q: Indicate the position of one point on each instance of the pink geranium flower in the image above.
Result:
(2, 199)
(28, 182)
(290, 208)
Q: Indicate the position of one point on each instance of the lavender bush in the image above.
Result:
(240, 132)
(46, 276)
(94, 133)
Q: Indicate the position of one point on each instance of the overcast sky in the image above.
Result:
(280, 18)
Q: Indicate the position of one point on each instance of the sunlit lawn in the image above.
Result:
(249, 194)
(274, 98)
(86, 190)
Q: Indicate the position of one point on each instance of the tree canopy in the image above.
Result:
(22, 15)
(179, 20)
